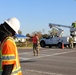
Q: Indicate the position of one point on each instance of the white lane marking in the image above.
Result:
(40, 72)
(32, 52)
(50, 49)
(40, 51)
(47, 55)
(24, 53)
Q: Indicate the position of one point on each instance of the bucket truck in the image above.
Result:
(58, 40)
(72, 29)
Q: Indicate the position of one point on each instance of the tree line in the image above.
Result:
(52, 32)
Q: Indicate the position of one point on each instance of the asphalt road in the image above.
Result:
(49, 62)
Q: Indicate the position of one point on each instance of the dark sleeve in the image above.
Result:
(7, 69)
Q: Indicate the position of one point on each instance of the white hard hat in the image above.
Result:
(14, 24)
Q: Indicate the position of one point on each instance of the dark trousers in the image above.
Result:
(35, 48)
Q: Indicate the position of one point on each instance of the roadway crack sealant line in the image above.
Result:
(40, 72)
(47, 55)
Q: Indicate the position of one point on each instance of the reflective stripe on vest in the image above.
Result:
(8, 57)
(11, 57)
(0, 61)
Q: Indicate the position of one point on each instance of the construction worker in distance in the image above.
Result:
(71, 42)
(9, 59)
(74, 24)
(37, 42)
(34, 40)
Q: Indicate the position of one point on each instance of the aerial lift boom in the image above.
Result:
(72, 29)
(60, 31)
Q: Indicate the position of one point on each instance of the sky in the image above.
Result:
(35, 15)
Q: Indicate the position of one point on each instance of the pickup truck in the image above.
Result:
(54, 41)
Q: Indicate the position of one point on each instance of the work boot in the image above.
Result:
(34, 54)
(37, 54)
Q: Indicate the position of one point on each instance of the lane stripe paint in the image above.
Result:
(40, 72)
(47, 55)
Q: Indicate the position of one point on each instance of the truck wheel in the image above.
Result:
(74, 45)
(59, 45)
(50, 46)
(42, 44)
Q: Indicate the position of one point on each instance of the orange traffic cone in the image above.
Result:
(62, 46)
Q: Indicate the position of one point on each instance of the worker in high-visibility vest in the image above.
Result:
(35, 48)
(37, 43)
(9, 59)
